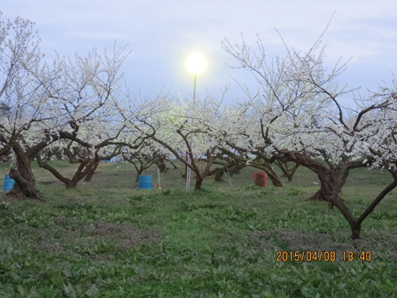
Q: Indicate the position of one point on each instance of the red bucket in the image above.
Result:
(260, 179)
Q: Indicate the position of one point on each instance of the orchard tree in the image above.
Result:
(89, 126)
(191, 133)
(301, 119)
(342, 138)
(140, 116)
(369, 140)
(24, 81)
(71, 101)
(147, 155)
(278, 100)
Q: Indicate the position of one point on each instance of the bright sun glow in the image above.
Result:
(196, 63)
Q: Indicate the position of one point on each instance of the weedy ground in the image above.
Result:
(107, 238)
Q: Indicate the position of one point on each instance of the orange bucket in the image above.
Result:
(260, 179)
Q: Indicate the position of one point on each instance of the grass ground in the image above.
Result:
(108, 238)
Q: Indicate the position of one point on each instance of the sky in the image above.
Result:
(159, 35)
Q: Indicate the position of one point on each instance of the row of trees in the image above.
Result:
(79, 108)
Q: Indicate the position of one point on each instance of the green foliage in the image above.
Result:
(110, 239)
(293, 192)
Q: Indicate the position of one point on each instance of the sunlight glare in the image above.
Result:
(196, 63)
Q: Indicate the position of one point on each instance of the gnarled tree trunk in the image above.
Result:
(86, 167)
(23, 176)
(91, 172)
(331, 179)
(199, 183)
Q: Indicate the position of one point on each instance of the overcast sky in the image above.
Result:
(161, 34)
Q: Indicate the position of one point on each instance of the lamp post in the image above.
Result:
(196, 64)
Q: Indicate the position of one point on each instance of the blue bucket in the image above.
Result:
(145, 182)
(8, 183)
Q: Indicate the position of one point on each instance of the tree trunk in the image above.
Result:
(91, 172)
(85, 168)
(82, 171)
(290, 173)
(332, 182)
(24, 177)
(219, 174)
(356, 229)
(273, 177)
(199, 182)
(23, 188)
(160, 163)
(236, 169)
(72, 183)
(331, 179)
(139, 172)
(287, 172)
(326, 189)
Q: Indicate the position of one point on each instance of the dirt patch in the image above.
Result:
(124, 234)
(48, 247)
(72, 232)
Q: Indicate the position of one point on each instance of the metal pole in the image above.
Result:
(189, 170)
(194, 90)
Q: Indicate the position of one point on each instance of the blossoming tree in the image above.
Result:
(191, 132)
(300, 117)
(86, 124)
(24, 79)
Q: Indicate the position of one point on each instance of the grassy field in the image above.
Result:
(108, 238)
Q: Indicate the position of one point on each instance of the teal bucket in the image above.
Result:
(145, 182)
(8, 183)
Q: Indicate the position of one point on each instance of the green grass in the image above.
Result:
(107, 238)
